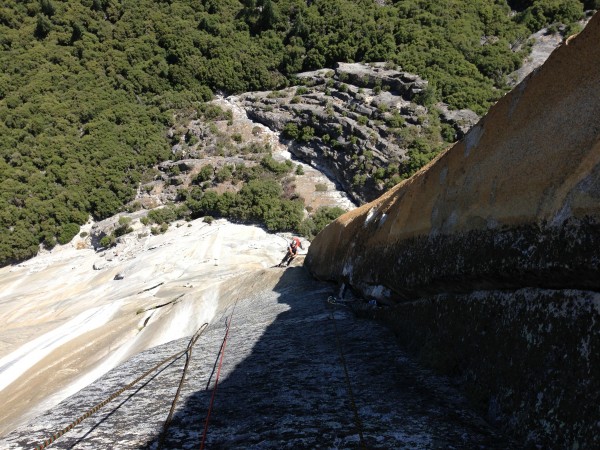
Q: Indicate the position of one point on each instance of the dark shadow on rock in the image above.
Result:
(283, 383)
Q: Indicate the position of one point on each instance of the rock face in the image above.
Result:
(359, 123)
(68, 318)
(513, 207)
(282, 386)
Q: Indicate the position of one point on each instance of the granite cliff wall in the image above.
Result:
(489, 257)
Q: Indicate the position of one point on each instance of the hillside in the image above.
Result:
(489, 255)
(89, 89)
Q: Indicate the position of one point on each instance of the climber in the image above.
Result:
(291, 252)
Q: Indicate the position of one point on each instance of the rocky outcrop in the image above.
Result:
(543, 43)
(358, 122)
(487, 228)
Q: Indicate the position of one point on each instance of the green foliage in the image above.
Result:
(124, 226)
(307, 134)
(224, 174)
(67, 232)
(259, 201)
(210, 111)
(43, 26)
(542, 13)
(88, 87)
(168, 214)
(395, 120)
(206, 173)
(160, 229)
(108, 241)
(313, 225)
(290, 131)
(275, 167)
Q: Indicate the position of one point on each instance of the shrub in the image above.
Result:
(275, 167)
(124, 220)
(67, 232)
(290, 131)
(167, 214)
(395, 120)
(123, 227)
(108, 241)
(321, 187)
(210, 112)
(313, 225)
(448, 133)
(206, 173)
(307, 133)
(224, 174)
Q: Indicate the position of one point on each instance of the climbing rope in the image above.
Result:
(94, 409)
(357, 421)
(169, 418)
(212, 398)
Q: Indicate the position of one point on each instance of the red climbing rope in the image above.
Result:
(212, 398)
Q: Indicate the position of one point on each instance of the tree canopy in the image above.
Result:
(88, 87)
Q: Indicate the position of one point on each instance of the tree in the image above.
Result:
(43, 26)
(47, 7)
(268, 17)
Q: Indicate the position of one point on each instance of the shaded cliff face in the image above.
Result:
(489, 257)
(516, 202)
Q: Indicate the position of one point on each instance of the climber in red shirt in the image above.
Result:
(292, 251)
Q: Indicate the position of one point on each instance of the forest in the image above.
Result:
(88, 88)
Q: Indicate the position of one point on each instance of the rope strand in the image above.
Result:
(214, 392)
(94, 409)
(169, 418)
(357, 421)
